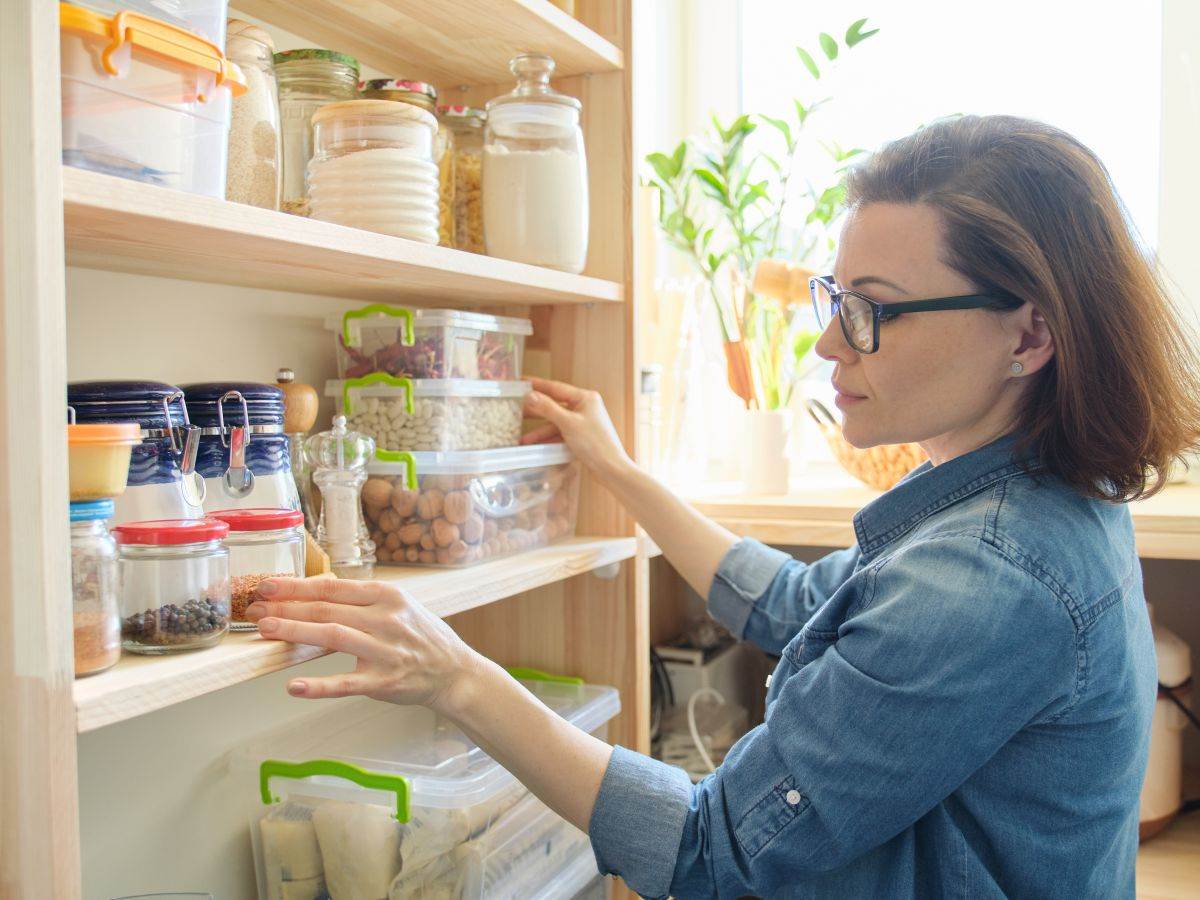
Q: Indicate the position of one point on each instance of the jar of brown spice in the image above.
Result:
(97, 620)
(262, 543)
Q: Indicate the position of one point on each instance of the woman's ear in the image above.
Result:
(1034, 343)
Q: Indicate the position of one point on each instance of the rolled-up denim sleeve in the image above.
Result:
(764, 596)
(957, 652)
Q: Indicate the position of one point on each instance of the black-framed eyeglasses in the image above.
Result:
(860, 315)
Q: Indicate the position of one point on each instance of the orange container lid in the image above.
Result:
(105, 433)
(154, 36)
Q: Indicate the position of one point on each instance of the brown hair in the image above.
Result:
(1030, 213)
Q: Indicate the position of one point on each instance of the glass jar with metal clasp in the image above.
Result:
(244, 453)
(162, 482)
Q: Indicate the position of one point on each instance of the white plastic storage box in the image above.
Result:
(367, 800)
(146, 100)
(428, 343)
(403, 414)
(464, 508)
(205, 17)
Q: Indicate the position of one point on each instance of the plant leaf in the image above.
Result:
(809, 62)
(781, 126)
(855, 34)
(664, 166)
(829, 45)
(717, 187)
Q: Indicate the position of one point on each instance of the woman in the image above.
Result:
(963, 702)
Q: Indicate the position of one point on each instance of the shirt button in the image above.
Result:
(792, 797)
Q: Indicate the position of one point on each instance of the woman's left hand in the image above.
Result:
(405, 653)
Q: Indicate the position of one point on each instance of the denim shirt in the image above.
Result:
(962, 708)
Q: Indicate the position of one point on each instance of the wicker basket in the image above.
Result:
(879, 467)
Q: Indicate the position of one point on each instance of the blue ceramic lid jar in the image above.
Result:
(221, 409)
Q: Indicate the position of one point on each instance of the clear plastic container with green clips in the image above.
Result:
(428, 343)
(405, 415)
(371, 800)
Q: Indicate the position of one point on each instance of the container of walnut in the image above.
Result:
(470, 506)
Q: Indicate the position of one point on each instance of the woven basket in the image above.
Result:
(878, 467)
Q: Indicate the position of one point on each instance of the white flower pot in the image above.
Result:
(765, 464)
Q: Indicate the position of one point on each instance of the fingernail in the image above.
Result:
(267, 626)
(297, 688)
(253, 611)
(535, 398)
(267, 588)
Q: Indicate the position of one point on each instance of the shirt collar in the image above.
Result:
(928, 489)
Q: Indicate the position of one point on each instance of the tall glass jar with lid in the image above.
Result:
(97, 621)
(308, 79)
(255, 174)
(535, 195)
(465, 125)
(424, 96)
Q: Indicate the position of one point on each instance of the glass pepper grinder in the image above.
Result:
(339, 468)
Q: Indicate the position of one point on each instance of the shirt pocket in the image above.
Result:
(769, 816)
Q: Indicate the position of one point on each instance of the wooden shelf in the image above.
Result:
(447, 42)
(142, 684)
(127, 226)
(819, 512)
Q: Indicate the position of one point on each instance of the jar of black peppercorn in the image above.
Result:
(175, 590)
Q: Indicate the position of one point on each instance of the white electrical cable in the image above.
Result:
(691, 717)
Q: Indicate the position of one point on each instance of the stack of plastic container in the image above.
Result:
(371, 801)
(440, 393)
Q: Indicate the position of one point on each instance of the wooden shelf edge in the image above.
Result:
(127, 226)
(141, 684)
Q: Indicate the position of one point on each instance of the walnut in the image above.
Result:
(490, 529)
(472, 529)
(429, 506)
(457, 551)
(457, 507)
(412, 554)
(376, 493)
(383, 556)
(427, 541)
(404, 501)
(411, 533)
(444, 533)
(388, 520)
(426, 556)
(392, 541)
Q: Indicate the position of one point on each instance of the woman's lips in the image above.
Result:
(846, 398)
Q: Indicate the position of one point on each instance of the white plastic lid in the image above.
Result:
(440, 318)
(443, 766)
(478, 462)
(436, 387)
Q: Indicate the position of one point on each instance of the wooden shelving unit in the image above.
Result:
(529, 609)
(126, 226)
(141, 684)
(820, 509)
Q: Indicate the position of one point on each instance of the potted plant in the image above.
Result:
(723, 207)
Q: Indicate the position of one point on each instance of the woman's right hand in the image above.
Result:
(578, 418)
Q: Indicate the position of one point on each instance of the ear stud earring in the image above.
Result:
(1017, 368)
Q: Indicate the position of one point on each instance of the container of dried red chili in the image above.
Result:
(428, 343)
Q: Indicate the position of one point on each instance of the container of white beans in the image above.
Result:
(404, 414)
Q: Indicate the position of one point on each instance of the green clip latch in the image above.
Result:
(376, 378)
(406, 459)
(523, 674)
(375, 781)
(407, 338)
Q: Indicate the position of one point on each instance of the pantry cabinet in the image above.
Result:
(105, 277)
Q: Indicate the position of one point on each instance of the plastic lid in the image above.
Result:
(169, 532)
(434, 387)
(438, 318)
(443, 766)
(478, 462)
(390, 110)
(152, 35)
(118, 433)
(345, 59)
(90, 510)
(259, 519)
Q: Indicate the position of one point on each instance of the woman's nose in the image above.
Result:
(832, 344)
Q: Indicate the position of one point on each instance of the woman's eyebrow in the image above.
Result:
(874, 279)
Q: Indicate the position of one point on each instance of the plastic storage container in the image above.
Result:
(96, 618)
(464, 127)
(98, 457)
(469, 507)
(205, 17)
(151, 103)
(535, 193)
(308, 79)
(370, 800)
(255, 174)
(174, 584)
(262, 543)
(162, 481)
(429, 343)
(262, 476)
(431, 414)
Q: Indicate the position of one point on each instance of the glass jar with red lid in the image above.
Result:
(262, 543)
(174, 584)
